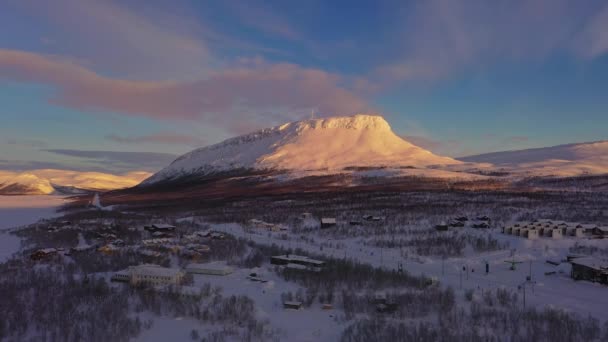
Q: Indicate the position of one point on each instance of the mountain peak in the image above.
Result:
(359, 121)
(330, 144)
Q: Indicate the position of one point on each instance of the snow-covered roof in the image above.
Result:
(590, 262)
(215, 265)
(154, 270)
(300, 258)
(163, 226)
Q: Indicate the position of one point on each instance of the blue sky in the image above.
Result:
(457, 77)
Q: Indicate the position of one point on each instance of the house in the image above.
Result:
(306, 216)
(327, 222)
(291, 260)
(575, 231)
(160, 227)
(531, 234)
(154, 275)
(354, 223)
(600, 231)
(462, 218)
(292, 305)
(442, 227)
(482, 218)
(590, 268)
(555, 233)
(481, 225)
(210, 268)
(43, 253)
(455, 223)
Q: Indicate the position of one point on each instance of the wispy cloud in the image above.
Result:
(158, 138)
(443, 37)
(24, 142)
(284, 90)
(150, 43)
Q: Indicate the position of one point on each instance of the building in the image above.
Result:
(481, 225)
(154, 275)
(327, 222)
(600, 231)
(291, 260)
(43, 253)
(160, 227)
(211, 268)
(292, 305)
(442, 227)
(590, 269)
(121, 276)
(554, 233)
(531, 234)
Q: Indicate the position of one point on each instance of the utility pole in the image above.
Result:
(530, 275)
(461, 279)
(524, 296)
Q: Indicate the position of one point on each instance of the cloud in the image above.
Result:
(285, 91)
(150, 42)
(443, 37)
(159, 138)
(114, 161)
(593, 40)
(263, 19)
(25, 142)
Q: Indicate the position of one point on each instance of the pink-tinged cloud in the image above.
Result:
(278, 91)
(147, 44)
(158, 138)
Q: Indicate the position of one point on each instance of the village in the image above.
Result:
(302, 266)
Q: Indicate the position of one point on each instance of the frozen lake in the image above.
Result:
(20, 210)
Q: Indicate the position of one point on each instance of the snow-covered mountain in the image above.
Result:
(49, 181)
(561, 160)
(329, 145)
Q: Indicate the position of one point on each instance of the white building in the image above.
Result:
(212, 268)
(154, 275)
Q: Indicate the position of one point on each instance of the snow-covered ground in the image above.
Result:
(21, 210)
(554, 290)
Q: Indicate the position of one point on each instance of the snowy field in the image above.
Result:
(21, 210)
(546, 290)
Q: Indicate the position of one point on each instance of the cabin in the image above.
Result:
(327, 222)
(210, 268)
(455, 223)
(600, 231)
(483, 218)
(590, 269)
(355, 222)
(531, 234)
(554, 233)
(481, 225)
(292, 305)
(442, 227)
(462, 218)
(160, 227)
(42, 254)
